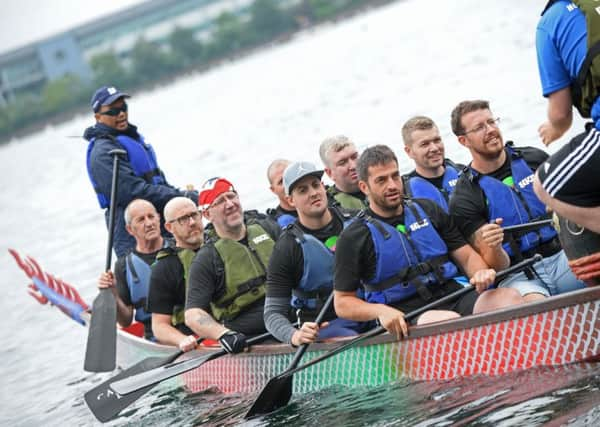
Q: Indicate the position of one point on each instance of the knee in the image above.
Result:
(436, 316)
(496, 299)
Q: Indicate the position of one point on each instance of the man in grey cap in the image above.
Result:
(140, 177)
(300, 270)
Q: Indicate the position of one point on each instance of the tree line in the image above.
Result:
(150, 61)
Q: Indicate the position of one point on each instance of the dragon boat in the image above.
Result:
(559, 330)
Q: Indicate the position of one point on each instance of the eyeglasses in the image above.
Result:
(115, 111)
(492, 123)
(185, 219)
(225, 197)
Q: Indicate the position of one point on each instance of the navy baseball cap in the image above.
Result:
(106, 95)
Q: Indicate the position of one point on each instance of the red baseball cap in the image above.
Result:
(212, 189)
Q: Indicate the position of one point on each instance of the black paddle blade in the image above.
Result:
(105, 404)
(101, 350)
(274, 395)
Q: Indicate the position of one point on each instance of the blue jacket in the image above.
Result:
(156, 190)
(516, 204)
(137, 273)
(407, 263)
(417, 187)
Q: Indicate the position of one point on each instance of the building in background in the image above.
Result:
(26, 70)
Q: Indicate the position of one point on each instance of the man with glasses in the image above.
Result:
(226, 288)
(130, 281)
(139, 173)
(497, 189)
(166, 297)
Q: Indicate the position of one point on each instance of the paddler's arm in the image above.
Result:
(560, 116)
(203, 324)
(487, 241)
(124, 311)
(479, 273)
(167, 334)
(349, 306)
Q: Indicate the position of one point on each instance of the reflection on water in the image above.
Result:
(363, 78)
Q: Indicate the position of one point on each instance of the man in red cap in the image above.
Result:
(226, 288)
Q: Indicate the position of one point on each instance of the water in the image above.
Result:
(363, 78)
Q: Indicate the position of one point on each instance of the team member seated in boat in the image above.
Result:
(166, 297)
(284, 213)
(300, 271)
(132, 272)
(339, 156)
(497, 189)
(226, 288)
(570, 74)
(405, 252)
(139, 174)
(434, 176)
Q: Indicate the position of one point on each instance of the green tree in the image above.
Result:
(108, 70)
(184, 46)
(324, 9)
(62, 93)
(228, 35)
(268, 20)
(149, 62)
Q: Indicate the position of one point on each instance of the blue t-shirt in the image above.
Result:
(561, 42)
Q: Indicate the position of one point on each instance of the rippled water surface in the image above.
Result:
(363, 77)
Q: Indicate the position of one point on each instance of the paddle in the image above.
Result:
(105, 404)
(101, 349)
(278, 391)
(151, 377)
(519, 229)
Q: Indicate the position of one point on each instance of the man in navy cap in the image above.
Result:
(139, 174)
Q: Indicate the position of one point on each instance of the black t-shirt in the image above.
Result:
(278, 211)
(355, 258)
(167, 288)
(468, 205)
(207, 284)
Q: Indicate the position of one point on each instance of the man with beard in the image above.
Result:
(284, 213)
(339, 156)
(139, 174)
(166, 298)
(497, 188)
(226, 287)
(300, 273)
(434, 176)
(405, 252)
(132, 272)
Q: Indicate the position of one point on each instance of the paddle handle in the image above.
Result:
(511, 230)
(113, 200)
(302, 349)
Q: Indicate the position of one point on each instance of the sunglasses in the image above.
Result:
(115, 111)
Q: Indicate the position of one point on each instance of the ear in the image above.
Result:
(206, 214)
(290, 200)
(364, 187)
(462, 139)
(128, 228)
(328, 172)
(272, 189)
(169, 227)
(408, 151)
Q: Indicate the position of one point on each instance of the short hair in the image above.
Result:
(413, 124)
(175, 203)
(463, 108)
(127, 214)
(373, 156)
(275, 164)
(336, 144)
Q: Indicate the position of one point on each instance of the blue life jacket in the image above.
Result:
(407, 263)
(141, 157)
(137, 273)
(317, 278)
(516, 204)
(285, 219)
(419, 187)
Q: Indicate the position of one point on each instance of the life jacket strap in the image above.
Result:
(242, 289)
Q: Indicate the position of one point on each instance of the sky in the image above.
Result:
(25, 21)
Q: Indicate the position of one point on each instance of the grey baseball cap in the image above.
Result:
(296, 171)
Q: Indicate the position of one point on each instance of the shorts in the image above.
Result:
(569, 175)
(463, 305)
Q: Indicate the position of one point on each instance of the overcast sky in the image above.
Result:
(25, 21)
